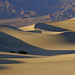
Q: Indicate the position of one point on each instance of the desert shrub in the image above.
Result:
(22, 52)
(12, 51)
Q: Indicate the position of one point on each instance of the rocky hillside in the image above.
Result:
(7, 11)
(67, 11)
(56, 9)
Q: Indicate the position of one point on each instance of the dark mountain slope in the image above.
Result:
(56, 9)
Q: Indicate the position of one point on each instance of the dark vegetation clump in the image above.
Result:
(12, 51)
(22, 52)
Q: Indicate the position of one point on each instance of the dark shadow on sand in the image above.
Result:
(5, 61)
(49, 27)
(70, 36)
(13, 56)
(3, 67)
(35, 31)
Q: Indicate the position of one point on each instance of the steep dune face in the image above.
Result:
(49, 27)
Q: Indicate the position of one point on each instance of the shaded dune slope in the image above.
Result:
(49, 27)
(70, 36)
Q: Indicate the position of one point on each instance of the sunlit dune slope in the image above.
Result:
(28, 28)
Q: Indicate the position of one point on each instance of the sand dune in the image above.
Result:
(33, 29)
(55, 27)
(50, 48)
(67, 24)
(43, 41)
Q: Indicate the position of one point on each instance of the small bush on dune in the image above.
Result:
(22, 52)
(12, 51)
